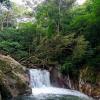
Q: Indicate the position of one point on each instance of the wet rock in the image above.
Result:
(89, 82)
(58, 80)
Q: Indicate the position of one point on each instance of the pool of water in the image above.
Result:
(50, 97)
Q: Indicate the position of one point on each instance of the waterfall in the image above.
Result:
(39, 78)
(40, 83)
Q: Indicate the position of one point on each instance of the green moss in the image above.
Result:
(4, 67)
(21, 86)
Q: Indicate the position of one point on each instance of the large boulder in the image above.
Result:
(13, 78)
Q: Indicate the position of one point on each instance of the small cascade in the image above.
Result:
(39, 78)
(40, 83)
(69, 82)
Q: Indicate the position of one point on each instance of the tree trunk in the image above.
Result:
(58, 27)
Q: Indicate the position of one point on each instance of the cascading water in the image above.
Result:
(39, 78)
(40, 83)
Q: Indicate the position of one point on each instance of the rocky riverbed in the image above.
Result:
(14, 80)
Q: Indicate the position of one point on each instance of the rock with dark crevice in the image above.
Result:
(82, 83)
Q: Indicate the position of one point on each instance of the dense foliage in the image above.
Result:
(64, 35)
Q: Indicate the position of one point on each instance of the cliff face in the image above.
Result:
(87, 82)
(13, 79)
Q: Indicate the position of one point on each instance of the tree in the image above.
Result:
(54, 13)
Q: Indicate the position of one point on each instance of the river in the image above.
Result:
(43, 90)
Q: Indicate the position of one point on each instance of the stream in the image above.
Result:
(43, 90)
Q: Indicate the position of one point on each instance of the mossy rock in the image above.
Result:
(13, 79)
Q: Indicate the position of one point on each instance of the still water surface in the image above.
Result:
(50, 97)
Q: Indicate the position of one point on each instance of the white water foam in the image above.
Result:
(40, 83)
(57, 91)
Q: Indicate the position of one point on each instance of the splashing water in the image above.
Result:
(41, 87)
